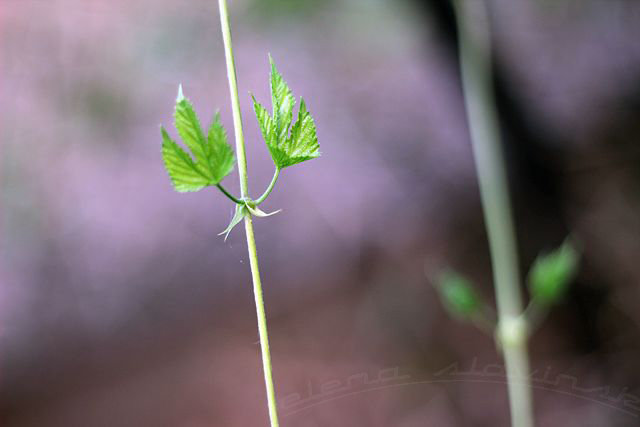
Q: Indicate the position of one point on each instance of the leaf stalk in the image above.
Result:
(269, 188)
(229, 195)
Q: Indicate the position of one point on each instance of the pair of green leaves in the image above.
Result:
(213, 157)
(548, 280)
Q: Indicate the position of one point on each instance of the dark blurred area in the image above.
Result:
(120, 305)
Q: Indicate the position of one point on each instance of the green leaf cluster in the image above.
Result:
(551, 274)
(213, 158)
(288, 143)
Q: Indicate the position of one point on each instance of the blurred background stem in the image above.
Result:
(475, 65)
(248, 225)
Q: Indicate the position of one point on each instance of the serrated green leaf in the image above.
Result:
(267, 126)
(240, 213)
(282, 101)
(458, 295)
(190, 131)
(214, 157)
(221, 159)
(551, 274)
(184, 174)
(302, 142)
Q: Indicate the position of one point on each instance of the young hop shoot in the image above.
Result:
(211, 159)
(551, 273)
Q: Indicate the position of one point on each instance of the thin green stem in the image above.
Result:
(269, 188)
(235, 101)
(229, 195)
(262, 321)
(248, 224)
(475, 64)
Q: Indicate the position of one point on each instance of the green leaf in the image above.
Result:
(458, 295)
(240, 213)
(287, 144)
(282, 101)
(214, 157)
(221, 159)
(303, 144)
(188, 126)
(184, 174)
(551, 274)
(267, 126)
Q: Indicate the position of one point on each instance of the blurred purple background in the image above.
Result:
(120, 305)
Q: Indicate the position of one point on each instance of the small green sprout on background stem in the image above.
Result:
(289, 142)
(551, 274)
(548, 281)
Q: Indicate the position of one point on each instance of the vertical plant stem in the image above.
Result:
(475, 65)
(262, 322)
(235, 101)
(248, 224)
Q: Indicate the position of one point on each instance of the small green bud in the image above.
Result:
(458, 295)
(551, 274)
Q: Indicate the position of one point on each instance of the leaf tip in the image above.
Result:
(180, 96)
(274, 69)
(164, 133)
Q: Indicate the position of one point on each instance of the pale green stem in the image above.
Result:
(235, 101)
(248, 225)
(262, 322)
(269, 188)
(475, 63)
